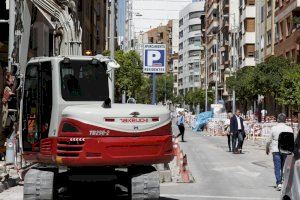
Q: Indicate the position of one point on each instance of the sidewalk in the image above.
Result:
(8, 177)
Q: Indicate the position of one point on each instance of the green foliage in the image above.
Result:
(178, 99)
(197, 97)
(144, 93)
(269, 75)
(289, 92)
(106, 53)
(264, 79)
(165, 85)
(129, 76)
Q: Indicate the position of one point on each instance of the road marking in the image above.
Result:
(214, 197)
(238, 170)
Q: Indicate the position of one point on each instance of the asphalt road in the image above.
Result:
(219, 175)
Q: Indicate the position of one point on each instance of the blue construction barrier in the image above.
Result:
(202, 120)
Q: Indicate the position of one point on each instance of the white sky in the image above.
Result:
(155, 12)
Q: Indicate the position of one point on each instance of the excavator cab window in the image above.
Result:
(84, 81)
(37, 105)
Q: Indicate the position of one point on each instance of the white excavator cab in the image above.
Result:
(53, 83)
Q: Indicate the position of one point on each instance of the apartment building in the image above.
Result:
(92, 15)
(265, 30)
(159, 35)
(287, 29)
(174, 54)
(190, 47)
(247, 33)
(229, 26)
(212, 13)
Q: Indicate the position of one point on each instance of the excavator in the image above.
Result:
(66, 123)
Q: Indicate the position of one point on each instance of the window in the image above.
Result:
(37, 105)
(269, 35)
(250, 25)
(249, 50)
(83, 81)
(193, 15)
(262, 14)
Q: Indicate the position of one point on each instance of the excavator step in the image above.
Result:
(145, 184)
(38, 185)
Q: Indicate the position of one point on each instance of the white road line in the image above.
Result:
(215, 197)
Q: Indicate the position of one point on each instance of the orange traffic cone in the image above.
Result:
(186, 176)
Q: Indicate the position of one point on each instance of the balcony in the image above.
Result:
(225, 6)
(212, 8)
(293, 6)
(249, 61)
(213, 26)
(249, 38)
(249, 12)
(194, 21)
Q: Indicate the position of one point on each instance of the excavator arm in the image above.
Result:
(60, 14)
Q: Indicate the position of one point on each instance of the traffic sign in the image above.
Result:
(154, 58)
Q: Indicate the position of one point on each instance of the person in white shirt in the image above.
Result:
(272, 146)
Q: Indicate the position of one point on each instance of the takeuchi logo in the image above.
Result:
(134, 120)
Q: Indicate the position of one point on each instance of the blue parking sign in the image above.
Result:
(154, 58)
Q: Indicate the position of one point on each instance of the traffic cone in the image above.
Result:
(179, 160)
(176, 147)
(186, 176)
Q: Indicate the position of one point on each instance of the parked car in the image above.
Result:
(291, 172)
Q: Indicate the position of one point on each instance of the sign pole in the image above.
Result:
(153, 88)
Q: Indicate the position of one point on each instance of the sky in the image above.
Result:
(155, 12)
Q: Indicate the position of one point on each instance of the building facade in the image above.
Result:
(211, 39)
(92, 15)
(287, 29)
(163, 34)
(247, 33)
(265, 30)
(190, 47)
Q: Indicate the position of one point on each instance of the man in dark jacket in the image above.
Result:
(237, 131)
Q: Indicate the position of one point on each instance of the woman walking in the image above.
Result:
(180, 124)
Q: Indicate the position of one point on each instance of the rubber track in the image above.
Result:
(145, 186)
(38, 185)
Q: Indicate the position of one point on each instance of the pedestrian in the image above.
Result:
(237, 132)
(272, 146)
(227, 131)
(180, 124)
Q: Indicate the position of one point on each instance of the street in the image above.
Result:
(218, 173)
(223, 175)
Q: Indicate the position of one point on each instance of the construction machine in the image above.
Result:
(66, 120)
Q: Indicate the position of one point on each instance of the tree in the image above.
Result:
(129, 77)
(244, 84)
(289, 91)
(197, 97)
(144, 93)
(178, 99)
(165, 85)
(269, 75)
